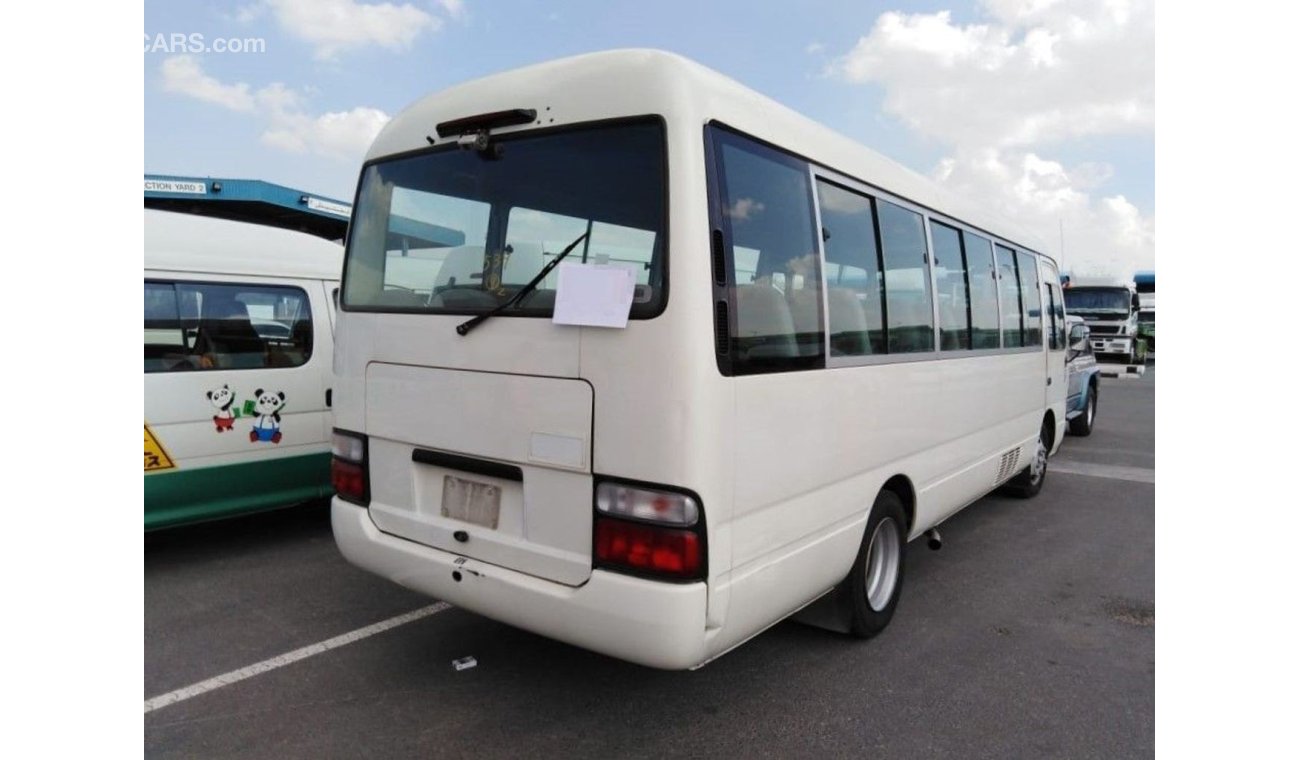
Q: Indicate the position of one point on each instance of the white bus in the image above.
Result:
(825, 357)
(238, 338)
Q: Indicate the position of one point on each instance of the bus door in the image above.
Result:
(1057, 344)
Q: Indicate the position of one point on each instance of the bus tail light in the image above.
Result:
(348, 467)
(666, 507)
(648, 531)
(648, 549)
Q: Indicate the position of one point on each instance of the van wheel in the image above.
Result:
(1082, 425)
(1030, 480)
(877, 575)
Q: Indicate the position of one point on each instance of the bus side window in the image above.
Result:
(1027, 264)
(767, 208)
(983, 277)
(853, 293)
(908, 312)
(1009, 287)
(951, 288)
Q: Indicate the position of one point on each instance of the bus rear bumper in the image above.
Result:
(660, 625)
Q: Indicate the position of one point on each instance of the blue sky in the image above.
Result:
(301, 112)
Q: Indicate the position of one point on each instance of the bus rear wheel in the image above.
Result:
(1030, 480)
(877, 575)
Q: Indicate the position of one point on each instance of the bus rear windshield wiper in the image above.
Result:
(464, 327)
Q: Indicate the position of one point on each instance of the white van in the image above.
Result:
(238, 345)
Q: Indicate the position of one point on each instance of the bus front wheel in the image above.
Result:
(877, 575)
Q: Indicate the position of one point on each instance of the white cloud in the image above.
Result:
(289, 126)
(335, 26)
(1102, 236)
(454, 8)
(1051, 71)
(340, 134)
(183, 74)
(1003, 94)
(745, 209)
(245, 14)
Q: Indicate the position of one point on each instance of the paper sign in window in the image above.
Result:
(593, 295)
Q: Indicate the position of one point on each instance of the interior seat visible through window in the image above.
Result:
(227, 338)
(765, 325)
(848, 325)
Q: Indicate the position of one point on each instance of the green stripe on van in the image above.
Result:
(209, 493)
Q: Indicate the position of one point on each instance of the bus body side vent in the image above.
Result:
(719, 263)
(1007, 467)
(721, 328)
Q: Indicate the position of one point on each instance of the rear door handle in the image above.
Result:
(329, 397)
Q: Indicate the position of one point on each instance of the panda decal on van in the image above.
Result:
(223, 400)
(267, 407)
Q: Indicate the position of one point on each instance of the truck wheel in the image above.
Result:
(877, 576)
(1082, 425)
(1030, 480)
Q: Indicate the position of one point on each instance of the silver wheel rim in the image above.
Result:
(1039, 465)
(883, 555)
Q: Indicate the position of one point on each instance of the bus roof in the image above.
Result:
(190, 243)
(623, 83)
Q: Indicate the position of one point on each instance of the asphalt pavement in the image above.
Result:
(1030, 634)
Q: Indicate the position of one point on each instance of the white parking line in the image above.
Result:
(234, 676)
(1112, 471)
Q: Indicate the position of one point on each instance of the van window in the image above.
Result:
(210, 326)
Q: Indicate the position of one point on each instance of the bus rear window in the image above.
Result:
(450, 231)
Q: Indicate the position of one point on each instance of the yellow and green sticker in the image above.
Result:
(155, 457)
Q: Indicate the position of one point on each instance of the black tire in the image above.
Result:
(1028, 483)
(1082, 425)
(868, 615)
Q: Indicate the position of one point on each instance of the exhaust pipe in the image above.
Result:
(933, 539)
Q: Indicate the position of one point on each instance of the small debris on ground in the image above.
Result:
(464, 663)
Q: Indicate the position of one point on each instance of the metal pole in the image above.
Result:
(1061, 223)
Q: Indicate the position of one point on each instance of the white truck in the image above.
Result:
(1110, 308)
